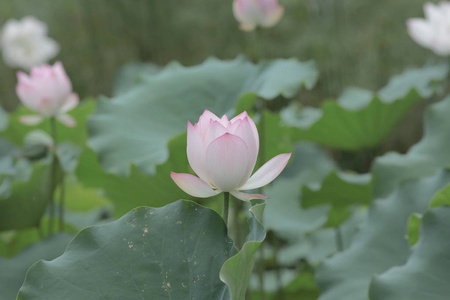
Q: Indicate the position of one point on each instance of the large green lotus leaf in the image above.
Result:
(13, 270)
(4, 119)
(237, 270)
(347, 129)
(424, 80)
(132, 74)
(423, 159)
(359, 120)
(380, 243)
(342, 192)
(283, 213)
(135, 127)
(26, 203)
(7, 149)
(319, 244)
(442, 197)
(173, 252)
(425, 274)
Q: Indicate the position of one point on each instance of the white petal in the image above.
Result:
(268, 172)
(31, 119)
(228, 159)
(215, 129)
(67, 120)
(247, 197)
(245, 132)
(72, 102)
(432, 11)
(192, 185)
(420, 31)
(196, 153)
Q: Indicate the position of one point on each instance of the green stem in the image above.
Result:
(226, 207)
(53, 175)
(238, 224)
(339, 242)
(262, 158)
(257, 49)
(61, 204)
(280, 293)
(262, 291)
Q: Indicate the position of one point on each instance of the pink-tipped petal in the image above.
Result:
(247, 197)
(193, 185)
(31, 120)
(268, 172)
(273, 18)
(228, 160)
(67, 120)
(215, 129)
(245, 132)
(242, 116)
(71, 103)
(204, 120)
(224, 120)
(196, 153)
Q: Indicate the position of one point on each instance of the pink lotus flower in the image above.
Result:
(47, 91)
(434, 31)
(223, 154)
(252, 13)
(25, 43)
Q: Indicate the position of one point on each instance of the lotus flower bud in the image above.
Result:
(25, 43)
(223, 154)
(253, 13)
(47, 91)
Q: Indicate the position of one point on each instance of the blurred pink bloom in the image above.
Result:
(47, 91)
(433, 32)
(223, 154)
(25, 43)
(252, 13)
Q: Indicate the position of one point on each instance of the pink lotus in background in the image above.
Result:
(47, 91)
(25, 43)
(434, 31)
(223, 154)
(252, 13)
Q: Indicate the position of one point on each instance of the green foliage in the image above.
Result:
(175, 251)
(129, 192)
(442, 197)
(414, 222)
(380, 243)
(26, 202)
(237, 270)
(358, 120)
(342, 192)
(425, 274)
(4, 119)
(15, 269)
(423, 159)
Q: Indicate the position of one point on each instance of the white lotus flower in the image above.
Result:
(433, 32)
(25, 43)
